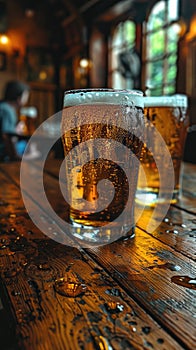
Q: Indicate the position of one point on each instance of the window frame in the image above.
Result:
(146, 33)
(123, 45)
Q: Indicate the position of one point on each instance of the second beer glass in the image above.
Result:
(166, 115)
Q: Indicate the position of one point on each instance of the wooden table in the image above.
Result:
(136, 293)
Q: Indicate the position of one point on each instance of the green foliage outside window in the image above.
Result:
(129, 28)
(161, 49)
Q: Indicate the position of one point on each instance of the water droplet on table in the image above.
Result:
(44, 266)
(15, 293)
(10, 273)
(68, 288)
(113, 291)
(165, 266)
(134, 329)
(184, 281)
(166, 220)
(172, 231)
(114, 307)
(146, 329)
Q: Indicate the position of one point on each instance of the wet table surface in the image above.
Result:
(135, 293)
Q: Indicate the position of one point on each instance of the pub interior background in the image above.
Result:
(61, 45)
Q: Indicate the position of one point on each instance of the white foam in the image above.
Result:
(111, 96)
(178, 100)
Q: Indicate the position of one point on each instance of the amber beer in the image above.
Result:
(97, 126)
(168, 114)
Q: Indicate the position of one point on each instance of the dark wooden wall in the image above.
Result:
(67, 39)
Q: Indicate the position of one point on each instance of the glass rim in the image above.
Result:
(103, 95)
(176, 100)
(131, 91)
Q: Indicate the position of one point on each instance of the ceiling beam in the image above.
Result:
(78, 12)
(75, 14)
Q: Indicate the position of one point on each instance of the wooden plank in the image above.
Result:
(102, 316)
(47, 224)
(11, 172)
(177, 231)
(189, 179)
(187, 199)
(10, 198)
(149, 278)
(147, 269)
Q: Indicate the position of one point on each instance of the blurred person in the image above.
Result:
(16, 95)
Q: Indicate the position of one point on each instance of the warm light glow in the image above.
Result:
(177, 28)
(4, 39)
(43, 75)
(192, 31)
(29, 13)
(84, 63)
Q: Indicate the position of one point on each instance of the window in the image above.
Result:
(161, 35)
(121, 48)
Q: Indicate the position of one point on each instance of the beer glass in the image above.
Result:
(168, 116)
(102, 132)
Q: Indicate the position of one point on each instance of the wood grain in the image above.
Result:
(45, 319)
(126, 295)
(145, 267)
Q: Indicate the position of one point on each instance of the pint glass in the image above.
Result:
(166, 115)
(102, 133)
